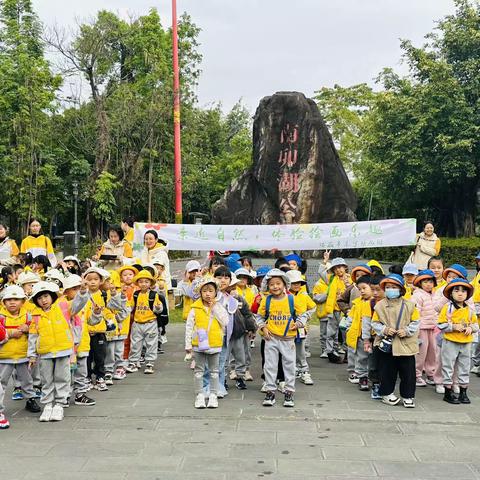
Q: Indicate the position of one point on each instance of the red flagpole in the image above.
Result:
(176, 118)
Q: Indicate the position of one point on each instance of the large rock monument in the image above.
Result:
(296, 176)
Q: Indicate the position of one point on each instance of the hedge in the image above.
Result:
(454, 250)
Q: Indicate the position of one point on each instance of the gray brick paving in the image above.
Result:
(146, 428)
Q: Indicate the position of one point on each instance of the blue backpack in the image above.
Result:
(291, 305)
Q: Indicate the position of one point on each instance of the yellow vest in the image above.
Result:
(52, 328)
(476, 288)
(335, 285)
(107, 313)
(84, 345)
(142, 313)
(279, 315)
(408, 292)
(457, 316)
(248, 294)
(15, 348)
(360, 308)
(40, 245)
(321, 288)
(202, 319)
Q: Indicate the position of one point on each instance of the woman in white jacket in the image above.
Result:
(428, 245)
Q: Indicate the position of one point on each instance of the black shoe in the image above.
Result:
(32, 406)
(240, 384)
(363, 384)
(84, 401)
(269, 400)
(225, 384)
(450, 397)
(288, 401)
(463, 398)
(335, 358)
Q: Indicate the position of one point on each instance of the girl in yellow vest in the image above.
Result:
(409, 272)
(245, 287)
(204, 332)
(186, 286)
(51, 343)
(38, 244)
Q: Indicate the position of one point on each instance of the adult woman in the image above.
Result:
(115, 246)
(38, 244)
(155, 248)
(8, 247)
(428, 245)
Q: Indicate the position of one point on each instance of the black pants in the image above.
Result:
(96, 357)
(280, 374)
(390, 368)
(373, 374)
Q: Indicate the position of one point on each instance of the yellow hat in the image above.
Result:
(374, 263)
(144, 274)
(115, 279)
(127, 267)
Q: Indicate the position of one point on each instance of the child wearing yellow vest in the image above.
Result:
(279, 317)
(245, 287)
(186, 286)
(51, 342)
(204, 332)
(15, 318)
(435, 264)
(409, 272)
(4, 423)
(458, 324)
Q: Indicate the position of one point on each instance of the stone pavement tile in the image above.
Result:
(425, 428)
(320, 439)
(162, 475)
(43, 465)
(110, 448)
(412, 441)
(231, 465)
(127, 423)
(259, 438)
(276, 425)
(392, 451)
(407, 415)
(464, 454)
(462, 439)
(141, 463)
(106, 409)
(173, 425)
(155, 437)
(369, 404)
(276, 476)
(476, 468)
(357, 426)
(276, 412)
(424, 470)
(70, 475)
(61, 434)
(285, 450)
(367, 416)
(22, 448)
(198, 449)
(223, 411)
(325, 467)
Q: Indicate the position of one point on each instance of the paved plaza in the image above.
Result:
(146, 428)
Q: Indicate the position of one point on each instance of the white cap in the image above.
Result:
(338, 262)
(54, 274)
(71, 258)
(13, 291)
(234, 280)
(27, 277)
(158, 261)
(103, 274)
(295, 276)
(193, 265)
(244, 271)
(44, 287)
(72, 281)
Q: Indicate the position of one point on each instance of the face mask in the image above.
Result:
(392, 293)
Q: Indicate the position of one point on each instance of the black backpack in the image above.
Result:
(162, 318)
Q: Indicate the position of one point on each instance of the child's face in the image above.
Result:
(451, 276)
(13, 305)
(27, 288)
(70, 264)
(127, 277)
(257, 281)
(242, 280)
(276, 286)
(339, 271)
(113, 236)
(71, 292)
(160, 269)
(459, 294)
(93, 281)
(365, 291)
(427, 285)
(208, 293)
(215, 267)
(293, 265)
(144, 284)
(359, 275)
(18, 272)
(45, 301)
(296, 287)
(408, 277)
(224, 282)
(377, 293)
(191, 275)
(436, 266)
(246, 264)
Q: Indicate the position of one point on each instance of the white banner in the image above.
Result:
(314, 236)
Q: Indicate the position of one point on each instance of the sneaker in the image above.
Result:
(281, 387)
(38, 392)
(456, 389)
(390, 399)
(352, 378)
(101, 386)
(252, 343)
(57, 413)
(163, 339)
(240, 384)
(4, 423)
(420, 382)
(264, 388)
(363, 384)
(119, 374)
(47, 413)
(32, 406)
(139, 365)
(225, 384)
(200, 401)
(341, 351)
(232, 375)
(430, 381)
(375, 395)
(108, 379)
(334, 357)
(89, 386)
(248, 376)
(160, 350)
(67, 405)
(212, 401)
(308, 354)
(142, 360)
(409, 402)
(475, 369)
(288, 401)
(84, 401)
(306, 378)
(324, 355)
(149, 369)
(269, 400)
(440, 389)
(17, 394)
(131, 368)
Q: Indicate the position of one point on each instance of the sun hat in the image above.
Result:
(456, 268)
(295, 276)
(395, 279)
(14, 291)
(337, 262)
(410, 269)
(458, 282)
(27, 277)
(424, 275)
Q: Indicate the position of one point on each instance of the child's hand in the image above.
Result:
(266, 333)
(24, 328)
(83, 287)
(113, 290)
(389, 331)
(97, 309)
(326, 256)
(293, 326)
(458, 327)
(402, 333)
(468, 331)
(17, 333)
(31, 362)
(367, 346)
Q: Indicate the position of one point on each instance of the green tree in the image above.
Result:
(106, 187)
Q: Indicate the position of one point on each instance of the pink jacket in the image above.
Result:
(426, 307)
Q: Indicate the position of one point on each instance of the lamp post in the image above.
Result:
(75, 216)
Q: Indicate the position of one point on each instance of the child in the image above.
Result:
(51, 341)
(127, 274)
(15, 318)
(297, 282)
(345, 301)
(423, 296)
(409, 272)
(358, 332)
(146, 306)
(192, 272)
(204, 332)
(279, 316)
(458, 324)
(396, 322)
(4, 423)
(245, 287)
(27, 281)
(435, 264)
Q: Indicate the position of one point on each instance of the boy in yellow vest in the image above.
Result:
(192, 272)
(204, 332)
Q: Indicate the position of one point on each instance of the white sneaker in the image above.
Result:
(306, 378)
(308, 354)
(440, 389)
(475, 369)
(119, 374)
(232, 375)
(281, 387)
(324, 355)
(47, 413)
(456, 389)
(390, 399)
(57, 413)
(409, 403)
(264, 388)
(212, 401)
(200, 401)
(163, 339)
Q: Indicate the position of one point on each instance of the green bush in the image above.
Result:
(454, 250)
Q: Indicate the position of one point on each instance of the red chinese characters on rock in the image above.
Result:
(288, 140)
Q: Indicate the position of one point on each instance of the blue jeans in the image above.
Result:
(221, 372)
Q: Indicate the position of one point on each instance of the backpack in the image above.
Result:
(162, 318)
(293, 316)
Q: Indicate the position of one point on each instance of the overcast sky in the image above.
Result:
(253, 48)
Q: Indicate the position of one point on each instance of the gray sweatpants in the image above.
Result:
(456, 354)
(202, 360)
(359, 358)
(333, 322)
(273, 348)
(248, 351)
(476, 354)
(236, 349)
(114, 357)
(301, 356)
(24, 378)
(56, 380)
(80, 377)
(323, 334)
(143, 334)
